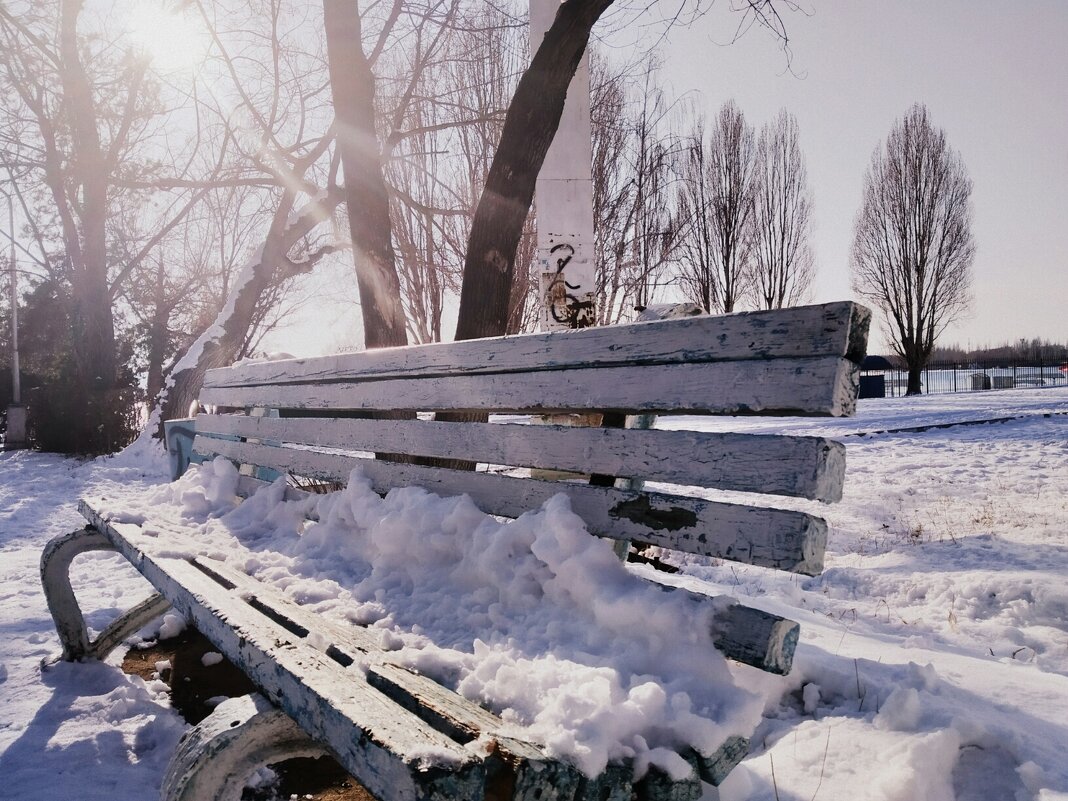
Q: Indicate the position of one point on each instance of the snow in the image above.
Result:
(933, 661)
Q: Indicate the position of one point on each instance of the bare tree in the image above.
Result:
(439, 149)
(782, 262)
(84, 124)
(221, 343)
(78, 154)
(283, 101)
(716, 206)
(490, 53)
(912, 246)
(177, 294)
(634, 221)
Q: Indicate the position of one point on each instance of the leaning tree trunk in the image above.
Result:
(353, 86)
(529, 128)
(221, 343)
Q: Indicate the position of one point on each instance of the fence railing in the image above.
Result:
(972, 376)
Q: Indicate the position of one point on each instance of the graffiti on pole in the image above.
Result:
(566, 286)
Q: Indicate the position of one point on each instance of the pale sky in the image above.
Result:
(994, 76)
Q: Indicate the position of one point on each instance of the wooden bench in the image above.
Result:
(801, 361)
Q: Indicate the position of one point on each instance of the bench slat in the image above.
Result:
(383, 749)
(832, 329)
(461, 719)
(819, 386)
(446, 711)
(806, 467)
(767, 537)
(742, 633)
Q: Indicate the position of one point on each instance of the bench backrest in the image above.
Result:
(788, 362)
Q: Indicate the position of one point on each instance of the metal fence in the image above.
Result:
(945, 377)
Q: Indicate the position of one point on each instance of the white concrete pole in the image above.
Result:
(564, 198)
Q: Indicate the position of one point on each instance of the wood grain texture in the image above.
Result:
(714, 769)
(757, 638)
(807, 467)
(832, 329)
(520, 766)
(743, 634)
(817, 386)
(779, 538)
(383, 746)
(519, 770)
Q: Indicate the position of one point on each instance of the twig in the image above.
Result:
(823, 767)
(860, 693)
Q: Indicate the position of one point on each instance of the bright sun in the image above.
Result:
(174, 41)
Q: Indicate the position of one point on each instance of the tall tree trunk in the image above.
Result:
(915, 379)
(529, 128)
(91, 315)
(353, 86)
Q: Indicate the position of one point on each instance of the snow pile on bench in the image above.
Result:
(533, 617)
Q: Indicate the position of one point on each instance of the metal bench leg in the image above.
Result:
(217, 756)
(135, 619)
(55, 578)
(67, 615)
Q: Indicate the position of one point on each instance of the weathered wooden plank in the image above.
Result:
(714, 769)
(383, 746)
(656, 785)
(519, 770)
(807, 467)
(757, 638)
(612, 785)
(516, 770)
(779, 538)
(818, 386)
(749, 635)
(833, 329)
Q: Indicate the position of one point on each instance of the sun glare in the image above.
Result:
(174, 41)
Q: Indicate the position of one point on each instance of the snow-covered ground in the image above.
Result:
(933, 661)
